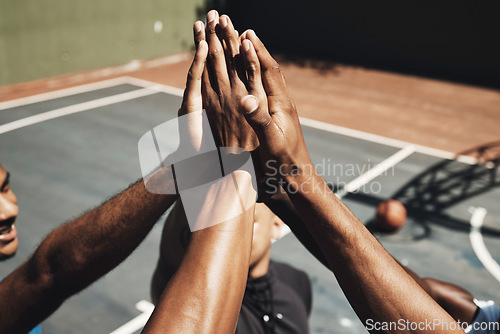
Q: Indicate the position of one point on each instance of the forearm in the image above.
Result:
(78, 253)
(85, 249)
(205, 294)
(374, 283)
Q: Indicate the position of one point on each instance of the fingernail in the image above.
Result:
(251, 103)
(223, 21)
(251, 33)
(211, 16)
(202, 44)
(197, 26)
(246, 45)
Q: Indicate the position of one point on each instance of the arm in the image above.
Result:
(205, 294)
(76, 254)
(453, 299)
(375, 285)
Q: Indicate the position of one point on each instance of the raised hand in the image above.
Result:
(223, 84)
(270, 110)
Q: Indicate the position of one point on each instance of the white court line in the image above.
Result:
(63, 93)
(21, 123)
(148, 84)
(376, 171)
(367, 177)
(138, 322)
(385, 140)
(476, 239)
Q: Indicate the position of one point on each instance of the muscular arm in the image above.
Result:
(205, 294)
(76, 254)
(453, 299)
(375, 285)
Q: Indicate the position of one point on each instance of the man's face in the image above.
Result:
(8, 215)
(267, 226)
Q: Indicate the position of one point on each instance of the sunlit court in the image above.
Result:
(400, 119)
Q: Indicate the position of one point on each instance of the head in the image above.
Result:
(266, 228)
(391, 215)
(8, 215)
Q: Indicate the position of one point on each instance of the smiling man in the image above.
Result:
(8, 215)
(8, 232)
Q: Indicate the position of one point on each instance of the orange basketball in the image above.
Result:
(391, 215)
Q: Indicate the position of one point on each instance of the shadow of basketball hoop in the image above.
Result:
(447, 183)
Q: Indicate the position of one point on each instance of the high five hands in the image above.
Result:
(247, 102)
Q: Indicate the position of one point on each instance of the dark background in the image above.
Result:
(450, 40)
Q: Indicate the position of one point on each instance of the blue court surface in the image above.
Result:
(70, 150)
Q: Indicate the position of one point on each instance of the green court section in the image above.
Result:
(39, 39)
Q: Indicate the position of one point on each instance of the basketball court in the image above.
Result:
(70, 149)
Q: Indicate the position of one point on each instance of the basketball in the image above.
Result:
(391, 215)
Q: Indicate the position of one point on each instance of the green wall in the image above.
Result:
(42, 38)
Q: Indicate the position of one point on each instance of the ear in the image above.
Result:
(276, 228)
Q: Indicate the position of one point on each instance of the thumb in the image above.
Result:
(258, 117)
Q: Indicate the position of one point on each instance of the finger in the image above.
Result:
(192, 94)
(258, 117)
(230, 35)
(273, 80)
(252, 69)
(216, 58)
(198, 32)
(231, 46)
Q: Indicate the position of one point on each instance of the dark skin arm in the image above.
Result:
(457, 301)
(76, 254)
(373, 282)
